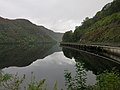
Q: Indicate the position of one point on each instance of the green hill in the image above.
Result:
(104, 27)
(54, 35)
(24, 31)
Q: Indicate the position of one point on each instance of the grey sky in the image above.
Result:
(58, 15)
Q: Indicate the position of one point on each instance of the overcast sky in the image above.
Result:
(58, 15)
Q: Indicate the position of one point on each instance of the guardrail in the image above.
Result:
(97, 49)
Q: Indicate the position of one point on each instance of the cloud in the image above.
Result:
(65, 25)
(58, 15)
(54, 60)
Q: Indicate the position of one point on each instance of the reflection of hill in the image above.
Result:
(54, 48)
(20, 55)
(91, 62)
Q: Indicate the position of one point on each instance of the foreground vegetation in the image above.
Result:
(108, 80)
(102, 28)
(13, 82)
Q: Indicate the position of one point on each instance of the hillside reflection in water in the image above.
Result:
(48, 61)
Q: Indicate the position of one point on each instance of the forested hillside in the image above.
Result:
(24, 31)
(104, 27)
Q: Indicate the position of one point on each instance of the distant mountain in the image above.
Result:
(103, 28)
(54, 35)
(24, 31)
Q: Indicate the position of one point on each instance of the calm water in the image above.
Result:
(48, 61)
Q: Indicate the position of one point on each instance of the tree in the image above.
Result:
(67, 37)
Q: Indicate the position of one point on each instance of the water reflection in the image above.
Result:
(50, 68)
(24, 55)
(94, 63)
(48, 65)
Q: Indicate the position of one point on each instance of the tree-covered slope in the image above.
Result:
(54, 35)
(104, 27)
(105, 30)
(22, 31)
